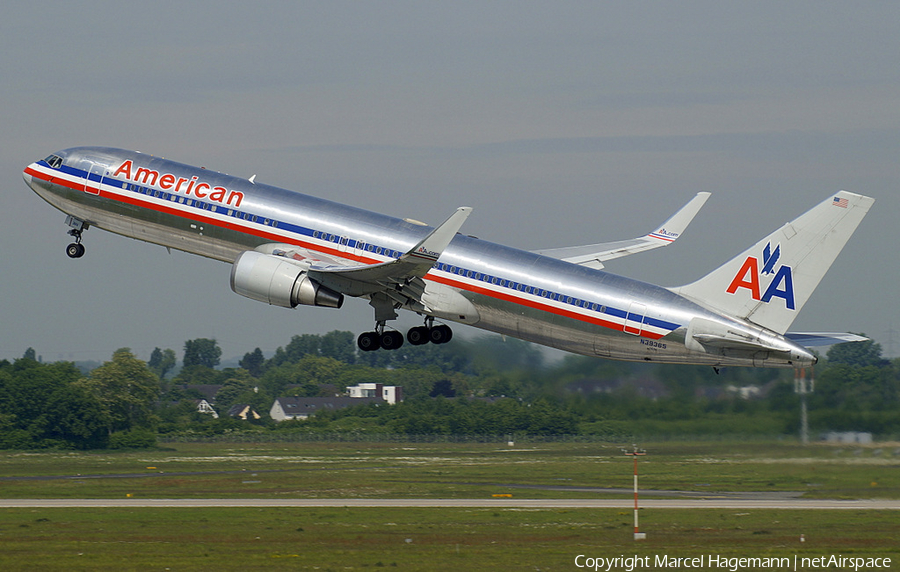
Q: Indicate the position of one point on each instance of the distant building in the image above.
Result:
(745, 391)
(849, 437)
(286, 408)
(208, 391)
(203, 406)
(243, 411)
(392, 394)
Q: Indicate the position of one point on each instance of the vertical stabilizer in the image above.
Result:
(769, 283)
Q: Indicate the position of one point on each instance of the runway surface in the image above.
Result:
(711, 503)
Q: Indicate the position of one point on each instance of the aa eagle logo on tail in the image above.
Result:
(750, 277)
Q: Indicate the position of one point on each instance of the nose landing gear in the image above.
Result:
(78, 226)
(75, 250)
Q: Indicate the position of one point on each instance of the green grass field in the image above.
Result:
(416, 539)
(448, 470)
(432, 539)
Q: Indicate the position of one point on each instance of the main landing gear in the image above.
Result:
(392, 339)
(423, 334)
(76, 249)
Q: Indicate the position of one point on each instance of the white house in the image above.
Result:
(286, 408)
(203, 406)
(391, 394)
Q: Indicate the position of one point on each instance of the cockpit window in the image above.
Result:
(54, 161)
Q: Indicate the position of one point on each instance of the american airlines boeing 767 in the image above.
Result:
(290, 249)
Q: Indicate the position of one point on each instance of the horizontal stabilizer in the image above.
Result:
(593, 255)
(813, 339)
(731, 338)
(729, 342)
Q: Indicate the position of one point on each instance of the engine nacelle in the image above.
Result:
(274, 280)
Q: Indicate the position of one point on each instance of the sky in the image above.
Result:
(560, 123)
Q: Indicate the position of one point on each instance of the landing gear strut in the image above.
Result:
(76, 249)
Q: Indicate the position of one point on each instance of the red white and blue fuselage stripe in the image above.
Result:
(469, 265)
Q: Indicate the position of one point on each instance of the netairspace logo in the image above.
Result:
(730, 563)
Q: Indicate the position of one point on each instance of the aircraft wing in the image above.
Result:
(399, 280)
(593, 255)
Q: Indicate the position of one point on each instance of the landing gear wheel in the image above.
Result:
(417, 336)
(75, 250)
(391, 340)
(440, 334)
(368, 341)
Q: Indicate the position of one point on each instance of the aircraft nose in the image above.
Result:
(27, 174)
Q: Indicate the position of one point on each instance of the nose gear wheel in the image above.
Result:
(75, 249)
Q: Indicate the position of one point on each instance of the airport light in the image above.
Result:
(635, 453)
(804, 386)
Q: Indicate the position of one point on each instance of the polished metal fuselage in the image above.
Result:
(515, 292)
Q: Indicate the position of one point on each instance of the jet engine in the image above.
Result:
(276, 281)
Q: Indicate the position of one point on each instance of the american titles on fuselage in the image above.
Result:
(169, 182)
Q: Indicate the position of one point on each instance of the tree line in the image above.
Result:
(484, 386)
